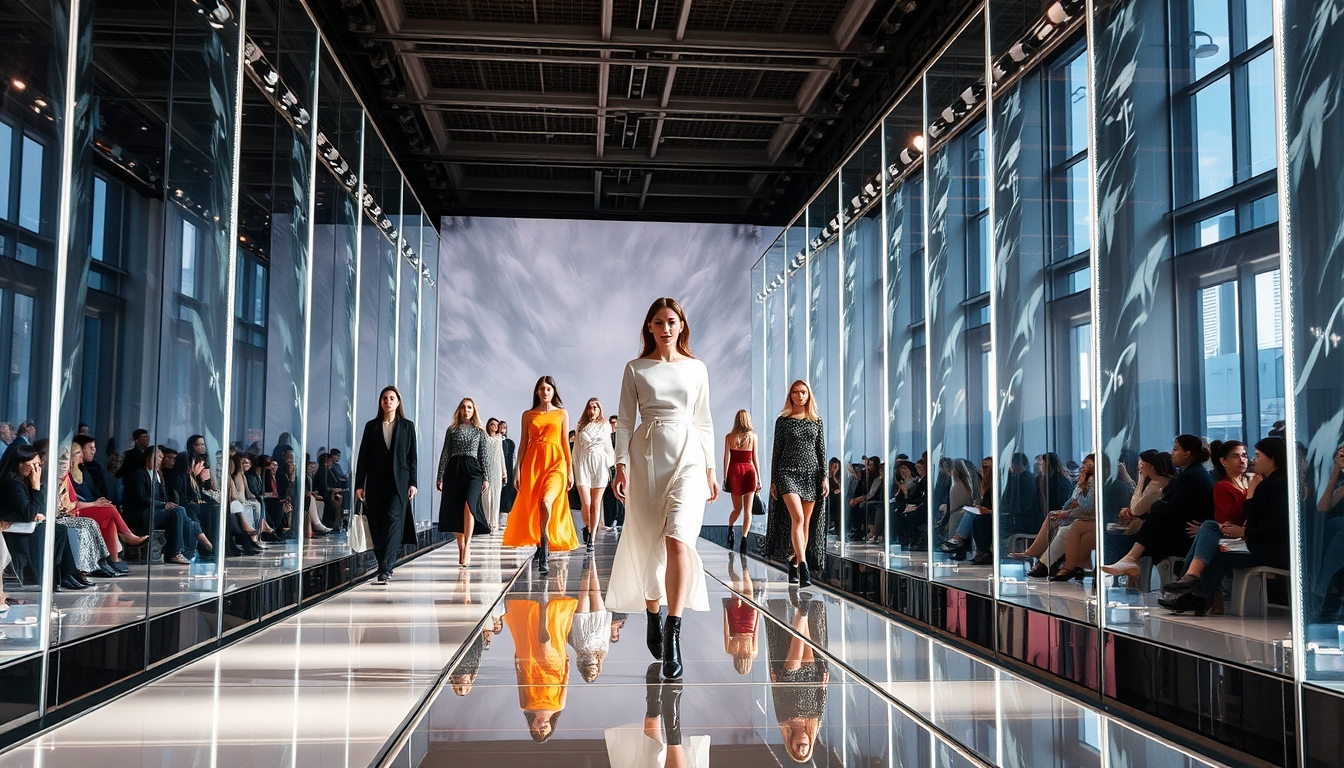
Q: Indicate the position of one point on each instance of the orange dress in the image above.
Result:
(542, 667)
(543, 472)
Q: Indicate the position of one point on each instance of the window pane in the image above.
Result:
(20, 355)
(1269, 348)
(1208, 28)
(1216, 228)
(1079, 215)
(977, 175)
(1212, 114)
(1075, 103)
(1080, 382)
(1261, 126)
(188, 284)
(1264, 211)
(1259, 20)
(6, 148)
(1222, 362)
(977, 256)
(99, 219)
(30, 193)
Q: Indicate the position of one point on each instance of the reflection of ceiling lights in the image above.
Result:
(17, 84)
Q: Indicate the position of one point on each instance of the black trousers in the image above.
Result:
(386, 528)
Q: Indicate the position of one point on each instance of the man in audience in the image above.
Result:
(27, 433)
(82, 429)
(134, 457)
(337, 477)
(94, 476)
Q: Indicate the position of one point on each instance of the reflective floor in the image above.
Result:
(775, 676)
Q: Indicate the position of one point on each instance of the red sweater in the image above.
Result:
(1227, 502)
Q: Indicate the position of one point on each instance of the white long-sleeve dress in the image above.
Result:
(666, 459)
(494, 479)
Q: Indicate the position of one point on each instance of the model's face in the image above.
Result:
(799, 396)
(389, 401)
(468, 410)
(594, 410)
(665, 327)
(546, 393)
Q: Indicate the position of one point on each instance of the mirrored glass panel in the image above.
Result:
(823, 268)
(861, 307)
(958, 310)
(907, 381)
(426, 359)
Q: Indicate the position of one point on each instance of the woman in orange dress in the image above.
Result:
(541, 658)
(540, 514)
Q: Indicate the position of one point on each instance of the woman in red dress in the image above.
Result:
(80, 503)
(742, 478)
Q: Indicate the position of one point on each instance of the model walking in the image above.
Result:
(463, 466)
(742, 476)
(496, 475)
(385, 473)
(796, 528)
(540, 516)
(670, 459)
(593, 459)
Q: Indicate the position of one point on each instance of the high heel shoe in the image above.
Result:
(1039, 572)
(672, 669)
(1180, 586)
(1122, 567)
(654, 633)
(793, 573)
(804, 576)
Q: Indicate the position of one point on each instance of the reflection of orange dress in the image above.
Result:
(543, 667)
(542, 473)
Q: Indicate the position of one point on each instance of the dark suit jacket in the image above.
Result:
(386, 472)
(1187, 498)
(143, 499)
(1267, 520)
(131, 460)
(95, 479)
(19, 502)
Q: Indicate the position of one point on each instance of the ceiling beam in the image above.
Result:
(792, 46)
(683, 16)
(580, 102)
(581, 156)
(521, 55)
(644, 189)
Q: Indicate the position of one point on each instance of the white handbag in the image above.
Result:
(360, 538)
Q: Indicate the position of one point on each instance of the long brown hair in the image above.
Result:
(812, 414)
(584, 420)
(646, 335)
(555, 393)
(401, 414)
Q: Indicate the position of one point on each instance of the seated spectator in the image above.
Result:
(1187, 499)
(21, 501)
(147, 506)
(1048, 547)
(961, 494)
(242, 501)
(95, 483)
(1264, 535)
(1020, 507)
(866, 504)
(979, 527)
(914, 518)
(1229, 488)
(314, 502)
(341, 479)
(79, 500)
(1155, 472)
(1053, 485)
(133, 459)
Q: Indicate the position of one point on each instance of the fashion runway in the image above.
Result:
(774, 676)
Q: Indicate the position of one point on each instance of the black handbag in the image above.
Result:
(757, 508)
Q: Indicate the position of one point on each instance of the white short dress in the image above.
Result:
(591, 632)
(666, 458)
(593, 455)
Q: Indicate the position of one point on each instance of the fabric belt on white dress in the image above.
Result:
(648, 426)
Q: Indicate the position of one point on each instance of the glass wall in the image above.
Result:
(1105, 271)
(179, 218)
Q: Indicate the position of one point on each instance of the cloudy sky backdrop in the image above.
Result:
(519, 298)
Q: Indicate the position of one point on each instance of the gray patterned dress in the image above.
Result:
(463, 466)
(797, 465)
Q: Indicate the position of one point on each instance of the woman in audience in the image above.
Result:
(960, 495)
(21, 501)
(742, 472)
(1229, 488)
(834, 483)
(147, 505)
(242, 502)
(314, 500)
(942, 493)
(1188, 498)
(978, 527)
(1049, 545)
(1054, 488)
(1155, 472)
(1264, 534)
(261, 482)
(286, 479)
(77, 498)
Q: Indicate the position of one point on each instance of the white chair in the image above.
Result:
(1250, 593)
(1166, 572)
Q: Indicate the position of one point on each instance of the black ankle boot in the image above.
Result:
(543, 557)
(730, 539)
(587, 535)
(804, 576)
(654, 633)
(672, 648)
(671, 711)
(793, 573)
(653, 691)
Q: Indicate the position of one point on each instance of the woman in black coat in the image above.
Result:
(385, 477)
(22, 501)
(1187, 499)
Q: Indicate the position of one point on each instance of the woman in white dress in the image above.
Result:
(495, 472)
(593, 459)
(670, 476)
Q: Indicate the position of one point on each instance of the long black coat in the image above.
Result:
(386, 475)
